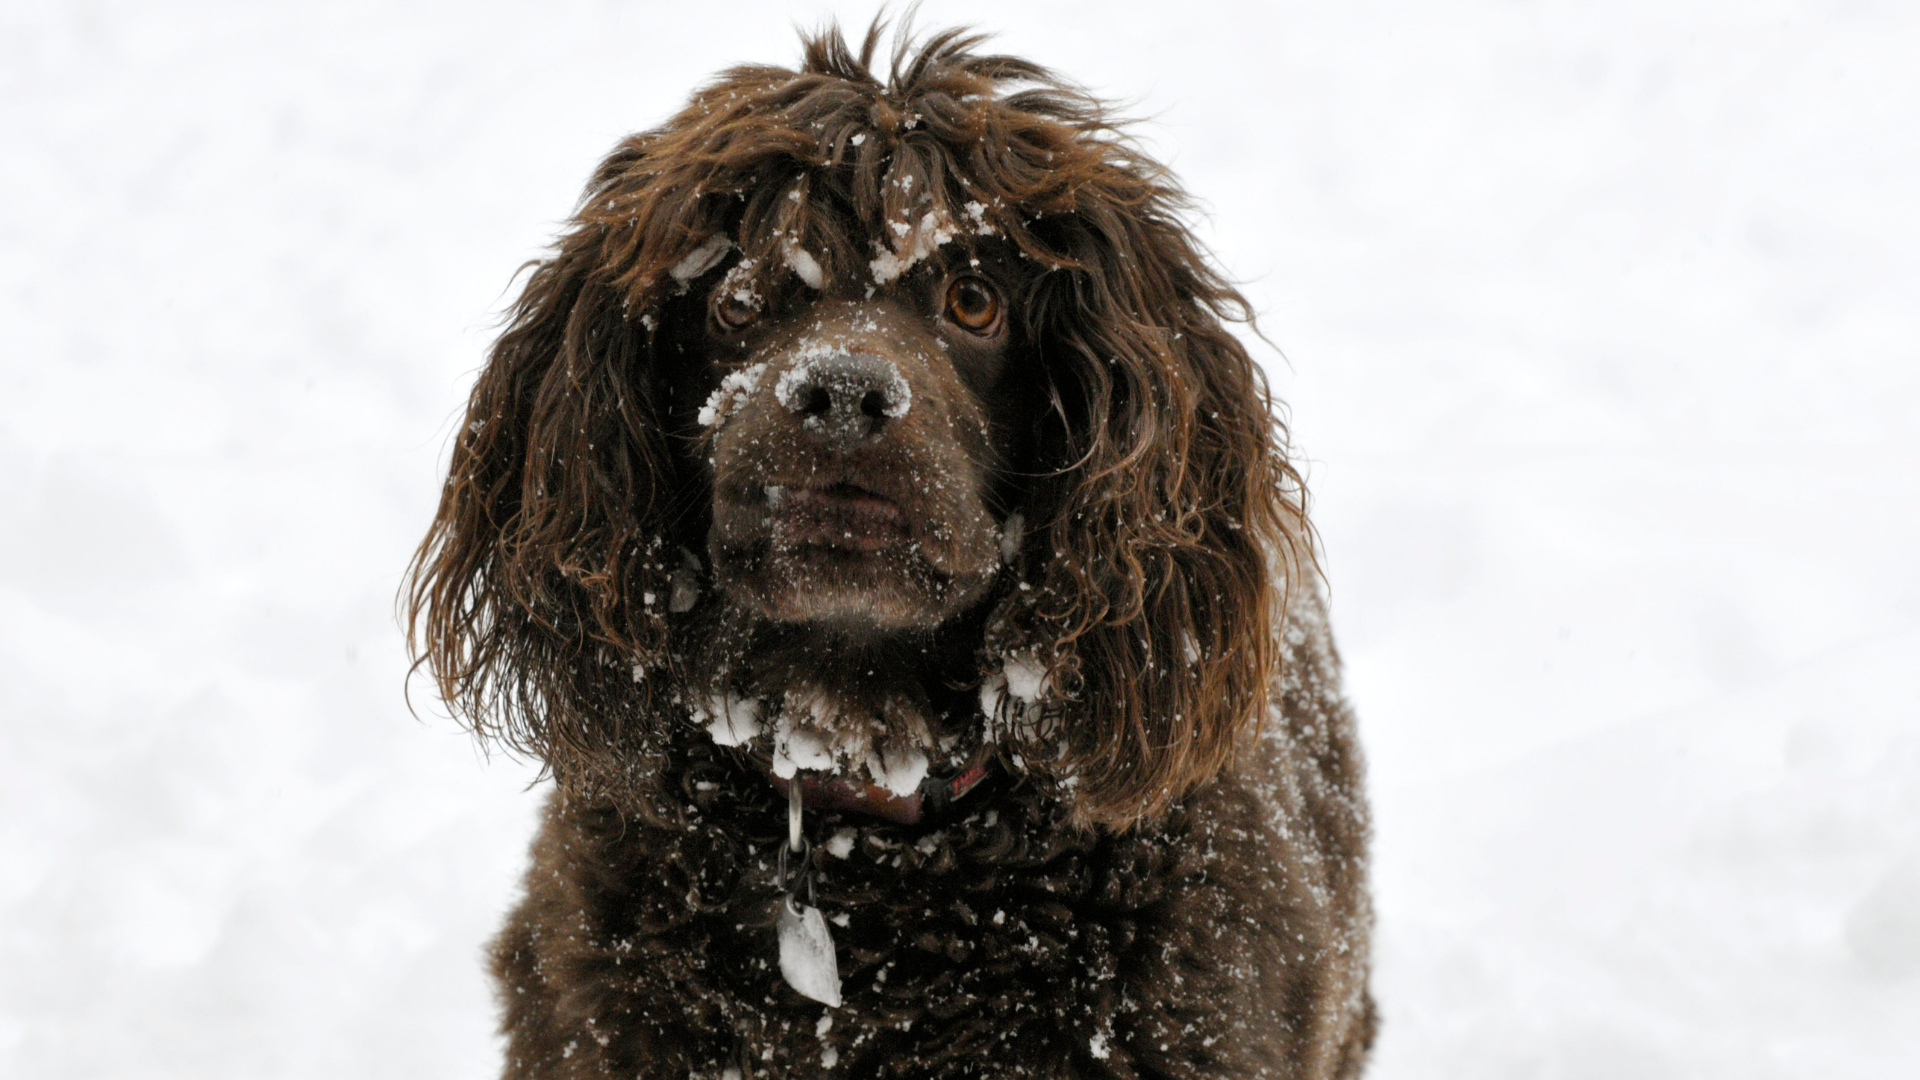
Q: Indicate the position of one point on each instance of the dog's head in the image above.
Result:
(831, 373)
(860, 438)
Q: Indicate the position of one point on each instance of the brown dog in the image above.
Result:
(871, 524)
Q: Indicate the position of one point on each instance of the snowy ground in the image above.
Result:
(1600, 327)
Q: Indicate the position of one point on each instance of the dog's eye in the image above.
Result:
(733, 312)
(974, 306)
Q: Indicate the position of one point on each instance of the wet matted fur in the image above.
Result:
(873, 424)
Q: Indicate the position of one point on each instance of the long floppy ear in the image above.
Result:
(1172, 520)
(539, 598)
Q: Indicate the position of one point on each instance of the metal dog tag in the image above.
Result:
(806, 952)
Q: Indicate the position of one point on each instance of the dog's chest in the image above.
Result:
(997, 929)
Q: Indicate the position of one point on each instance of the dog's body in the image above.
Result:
(871, 462)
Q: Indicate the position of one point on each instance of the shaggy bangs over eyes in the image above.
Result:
(833, 162)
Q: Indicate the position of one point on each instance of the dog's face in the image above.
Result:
(863, 443)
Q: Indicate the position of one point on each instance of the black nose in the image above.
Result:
(845, 398)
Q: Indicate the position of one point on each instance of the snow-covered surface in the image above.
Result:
(1600, 335)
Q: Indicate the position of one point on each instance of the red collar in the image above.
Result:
(932, 798)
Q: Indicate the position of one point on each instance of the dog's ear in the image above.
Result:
(539, 598)
(1170, 522)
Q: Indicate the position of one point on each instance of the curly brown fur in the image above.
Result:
(743, 461)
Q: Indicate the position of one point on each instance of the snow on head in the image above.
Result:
(813, 367)
(701, 259)
(913, 244)
(732, 392)
(804, 266)
(739, 285)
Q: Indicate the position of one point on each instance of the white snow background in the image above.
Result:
(1600, 328)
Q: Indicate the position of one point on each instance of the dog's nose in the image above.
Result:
(845, 398)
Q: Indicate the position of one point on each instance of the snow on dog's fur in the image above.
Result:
(865, 426)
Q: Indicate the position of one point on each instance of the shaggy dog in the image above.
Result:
(870, 522)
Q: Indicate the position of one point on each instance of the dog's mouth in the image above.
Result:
(841, 517)
(833, 550)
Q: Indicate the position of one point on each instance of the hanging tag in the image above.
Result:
(806, 948)
(806, 952)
